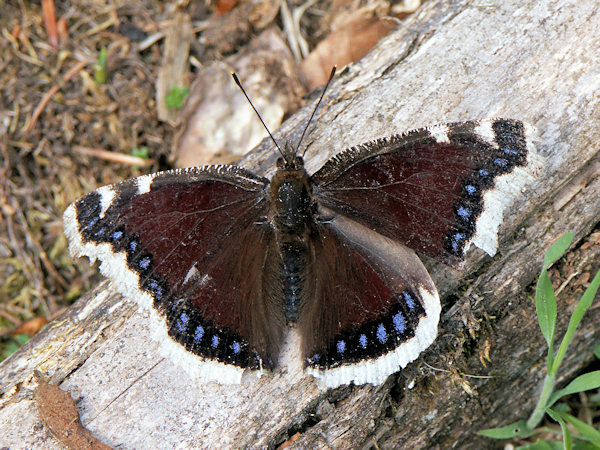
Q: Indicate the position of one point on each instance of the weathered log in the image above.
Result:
(534, 61)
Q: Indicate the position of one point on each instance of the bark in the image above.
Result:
(529, 60)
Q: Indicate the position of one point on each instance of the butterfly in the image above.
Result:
(229, 263)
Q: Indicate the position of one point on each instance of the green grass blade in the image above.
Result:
(586, 301)
(545, 306)
(585, 382)
(567, 439)
(587, 431)
(557, 249)
(541, 445)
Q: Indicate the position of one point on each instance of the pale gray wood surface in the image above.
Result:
(535, 61)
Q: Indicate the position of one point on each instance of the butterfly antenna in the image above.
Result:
(315, 110)
(238, 82)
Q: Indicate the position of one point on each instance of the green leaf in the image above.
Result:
(557, 249)
(517, 429)
(585, 382)
(567, 439)
(545, 306)
(141, 152)
(586, 301)
(176, 96)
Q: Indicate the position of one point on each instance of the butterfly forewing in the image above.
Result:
(194, 246)
(424, 188)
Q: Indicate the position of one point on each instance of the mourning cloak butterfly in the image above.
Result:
(230, 263)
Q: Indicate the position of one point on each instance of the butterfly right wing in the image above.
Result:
(193, 246)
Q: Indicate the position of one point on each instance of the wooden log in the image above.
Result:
(534, 61)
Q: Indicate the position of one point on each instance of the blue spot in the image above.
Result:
(117, 235)
(483, 172)
(215, 341)
(463, 212)
(100, 232)
(409, 300)
(182, 323)
(144, 263)
(500, 162)
(156, 288)
(457, 237)
(236, 347)
(381, 334)
(470, 189)
(341, 346)
(198, 333)
(133, 245)
(399, 323)
(509, 151)
(315, 357)
(93, 221)
(362, 340)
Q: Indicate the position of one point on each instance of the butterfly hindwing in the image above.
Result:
(364, 318)
(435, 189)
(191, 245)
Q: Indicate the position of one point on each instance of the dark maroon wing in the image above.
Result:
(435, 190)
(194, 246)
(370, 306)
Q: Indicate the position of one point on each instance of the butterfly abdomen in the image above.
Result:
(292, 211)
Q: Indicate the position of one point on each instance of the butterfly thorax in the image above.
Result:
(291, 199)
(292, 209)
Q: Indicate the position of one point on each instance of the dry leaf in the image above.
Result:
(60, 415)
(218, 123)
(342, 47)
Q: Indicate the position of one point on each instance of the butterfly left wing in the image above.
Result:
(370, 306)
(193, 248)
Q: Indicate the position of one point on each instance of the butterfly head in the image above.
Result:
(290, 160)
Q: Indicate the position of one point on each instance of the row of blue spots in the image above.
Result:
(382, 336)
(199, 333)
